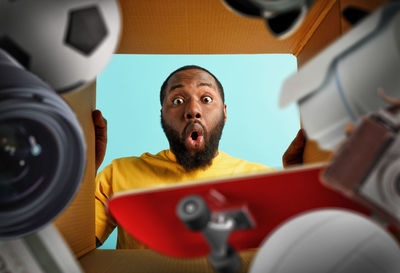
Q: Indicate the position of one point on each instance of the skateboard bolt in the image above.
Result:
(190, 207)
(193, 212)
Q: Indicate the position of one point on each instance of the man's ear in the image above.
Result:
(225, 114)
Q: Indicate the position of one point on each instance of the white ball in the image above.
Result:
(66, 43)
(328, 241)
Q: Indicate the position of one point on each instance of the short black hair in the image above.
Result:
(187, 67)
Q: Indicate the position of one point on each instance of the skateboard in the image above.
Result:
(259, 203)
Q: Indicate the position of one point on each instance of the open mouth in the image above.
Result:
(194, 136)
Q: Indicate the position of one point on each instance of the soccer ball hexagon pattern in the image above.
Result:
(66, 43)
(86, 29)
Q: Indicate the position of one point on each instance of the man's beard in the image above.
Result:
(201, 158)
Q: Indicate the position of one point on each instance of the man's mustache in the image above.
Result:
(190, 124)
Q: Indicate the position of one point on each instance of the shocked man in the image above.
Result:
(193, 115)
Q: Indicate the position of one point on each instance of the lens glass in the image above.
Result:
(28, 161)
(397, 185)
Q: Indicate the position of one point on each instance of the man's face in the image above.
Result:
(192, 116)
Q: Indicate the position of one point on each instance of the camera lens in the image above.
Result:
(42, 152)
(397, 185)
(23, 152)
(389, 179)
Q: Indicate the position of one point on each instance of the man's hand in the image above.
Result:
(100, 125)
(294, 153)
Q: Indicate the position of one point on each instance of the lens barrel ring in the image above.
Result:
(40, 105)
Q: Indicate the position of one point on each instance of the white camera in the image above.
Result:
(367, 166)
(340, 84)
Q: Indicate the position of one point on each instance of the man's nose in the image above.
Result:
(192, 110)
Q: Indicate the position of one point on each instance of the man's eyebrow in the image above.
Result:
(181, 85)
(205, 84)
(175, 87)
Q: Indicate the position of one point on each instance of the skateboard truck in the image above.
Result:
(216, 228)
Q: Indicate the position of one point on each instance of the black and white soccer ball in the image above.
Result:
(66, 43)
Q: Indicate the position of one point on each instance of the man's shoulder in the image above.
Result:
(134, 172)
(143, 164)
(143, 158)
(241, 164)
(124, 160)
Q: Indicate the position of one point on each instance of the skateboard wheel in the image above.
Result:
(229, 263)
(193, 212)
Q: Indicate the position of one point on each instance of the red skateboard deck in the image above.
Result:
(150, 215)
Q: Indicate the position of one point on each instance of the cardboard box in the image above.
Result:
(76, 223)
(152, 27)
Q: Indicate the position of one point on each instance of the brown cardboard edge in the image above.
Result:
(146, 260)
(76, 222)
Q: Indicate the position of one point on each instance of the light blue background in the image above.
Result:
(256, 129)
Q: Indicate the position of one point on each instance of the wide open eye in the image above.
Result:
(177, 101)
(207, 99)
